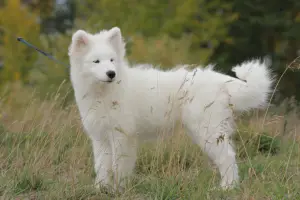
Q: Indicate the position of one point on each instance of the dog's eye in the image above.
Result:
(96, 61)
(111, 60)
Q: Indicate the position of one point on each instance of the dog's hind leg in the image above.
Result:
(214, 139)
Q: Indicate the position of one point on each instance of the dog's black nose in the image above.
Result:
(111, 74)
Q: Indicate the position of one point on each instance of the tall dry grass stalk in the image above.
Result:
(45, 153)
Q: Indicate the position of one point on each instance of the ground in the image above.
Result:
(44, 154)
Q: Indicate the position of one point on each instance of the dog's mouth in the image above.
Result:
(108, 81)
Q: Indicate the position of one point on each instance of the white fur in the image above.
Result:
(142, 101)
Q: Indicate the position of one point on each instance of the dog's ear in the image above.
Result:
(115, 38)
(80, 41)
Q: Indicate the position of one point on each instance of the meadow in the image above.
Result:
(44, 154)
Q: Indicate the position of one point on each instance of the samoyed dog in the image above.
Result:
(120, 106)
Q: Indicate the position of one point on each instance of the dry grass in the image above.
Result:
(44, 154)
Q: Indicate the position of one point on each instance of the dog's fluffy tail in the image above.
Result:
(254, 92)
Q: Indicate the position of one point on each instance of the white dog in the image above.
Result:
(120, 106)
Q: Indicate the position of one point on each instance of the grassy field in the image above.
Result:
(44, 154)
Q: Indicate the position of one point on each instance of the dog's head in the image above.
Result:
(98, 55)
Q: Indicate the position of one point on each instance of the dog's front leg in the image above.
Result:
(103, 162)
(124, 157)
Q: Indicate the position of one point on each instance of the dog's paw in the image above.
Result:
(105, 188)
(229, 186)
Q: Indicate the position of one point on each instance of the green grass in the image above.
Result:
(45, 155)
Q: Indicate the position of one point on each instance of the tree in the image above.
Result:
(265, 27)
(205, 21)
(16, 20)
(65, 15)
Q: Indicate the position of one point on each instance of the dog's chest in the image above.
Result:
(102, 114)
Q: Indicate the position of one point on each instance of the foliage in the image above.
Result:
(17, 59)
(44, 8)
(47, 74)
(205, 21)
(165, 33)
(268, 144)
(256, 144)
(265, 28)
(65, 16)
(163, 52)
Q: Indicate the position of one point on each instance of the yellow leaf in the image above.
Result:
(17, 76)
(17, 20)
(297, 18)
(229, 40)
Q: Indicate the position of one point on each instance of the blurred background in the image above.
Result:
(43, 150)
(161, 32)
